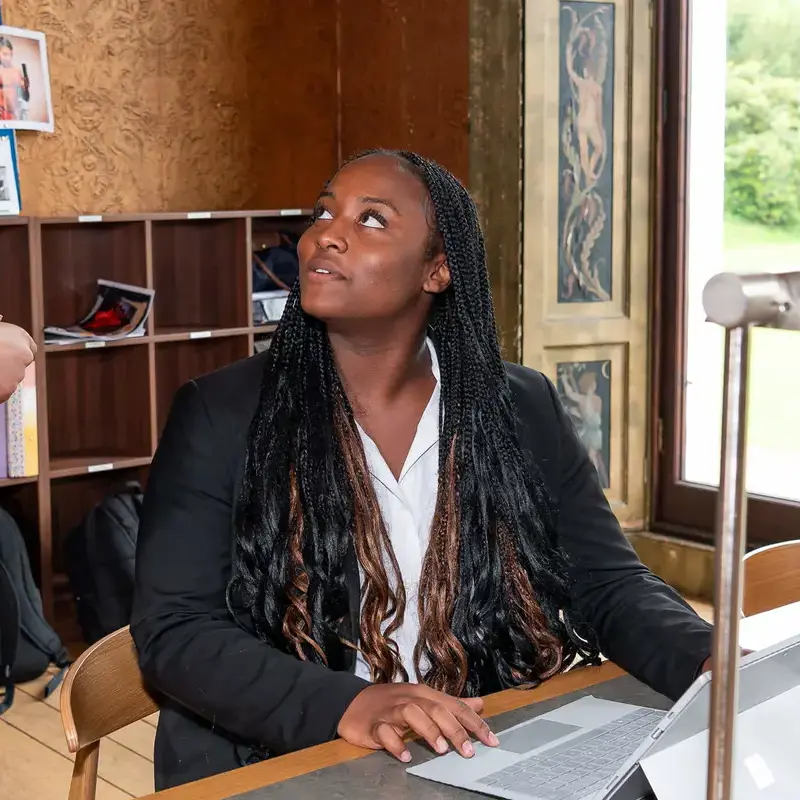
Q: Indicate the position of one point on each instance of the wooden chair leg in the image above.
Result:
(84, 774)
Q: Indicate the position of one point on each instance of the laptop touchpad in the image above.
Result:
(536, 733)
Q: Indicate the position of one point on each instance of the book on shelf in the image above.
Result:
(120, 311)
(21, 429)
(275, 270)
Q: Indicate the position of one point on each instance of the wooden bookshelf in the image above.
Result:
(102, 406)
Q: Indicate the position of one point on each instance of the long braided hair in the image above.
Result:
(493, 593)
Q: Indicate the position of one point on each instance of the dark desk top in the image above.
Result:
(380, 777)
(334, 754)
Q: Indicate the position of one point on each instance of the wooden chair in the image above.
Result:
(771, 577)
(103, 691)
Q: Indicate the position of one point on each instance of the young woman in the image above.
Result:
(365, 529)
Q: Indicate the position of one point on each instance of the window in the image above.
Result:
(729, 196)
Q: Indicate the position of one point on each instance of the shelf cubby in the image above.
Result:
(182, 361)
(264, 230)
(76, 254)
(15, 275)
(20, 498)
(98, 408)
(199, 274)
(265, 233)
(74, 496)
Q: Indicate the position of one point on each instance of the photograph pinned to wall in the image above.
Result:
(585, 391)
(10, 203)
(25, 101)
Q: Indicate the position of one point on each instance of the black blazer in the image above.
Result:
(224, 691)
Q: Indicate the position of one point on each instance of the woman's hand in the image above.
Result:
(17, 351)
(383, 713)
(706, 665)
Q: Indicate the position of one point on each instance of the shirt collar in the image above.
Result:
(428, 429)
(426, 436)
(434, 361)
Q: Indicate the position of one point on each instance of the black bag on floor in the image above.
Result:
(28, 645)
(99, 556)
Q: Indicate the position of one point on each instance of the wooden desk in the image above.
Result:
(246, 779)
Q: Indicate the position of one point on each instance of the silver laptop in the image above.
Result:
(594, 749)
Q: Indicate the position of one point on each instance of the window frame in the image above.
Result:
(680, 508)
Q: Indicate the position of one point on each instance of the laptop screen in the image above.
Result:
(762, 676)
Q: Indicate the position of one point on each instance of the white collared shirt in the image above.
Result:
(408, 506)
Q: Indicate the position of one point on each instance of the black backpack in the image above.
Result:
(99, 555)
(28, 645)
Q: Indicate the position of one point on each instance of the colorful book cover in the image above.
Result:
(22, 429)
(3, 448)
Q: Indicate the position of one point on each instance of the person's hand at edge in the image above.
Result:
(707, 665)
(17, 351)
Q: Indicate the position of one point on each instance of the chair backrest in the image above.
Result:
(771, 577)
(104, 691)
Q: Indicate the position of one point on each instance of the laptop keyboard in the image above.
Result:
(580, 766)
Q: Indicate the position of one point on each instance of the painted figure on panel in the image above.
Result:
(585, 390)
(586, 152)
(589, 117)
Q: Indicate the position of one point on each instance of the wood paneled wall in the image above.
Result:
(291, 91)
(213, 104)
(405, 78)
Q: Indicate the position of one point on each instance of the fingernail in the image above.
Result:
(405, 756)
(468, 749)
(493, 740)
(441, 745)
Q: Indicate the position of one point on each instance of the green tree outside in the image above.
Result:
(762, 152)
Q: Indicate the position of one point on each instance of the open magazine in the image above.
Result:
(119, 312)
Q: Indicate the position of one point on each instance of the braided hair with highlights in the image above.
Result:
(493, 594)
